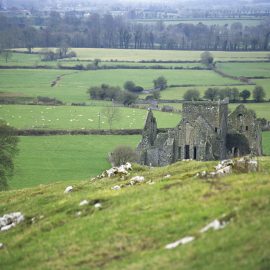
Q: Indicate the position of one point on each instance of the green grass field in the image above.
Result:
(49, 159)
(266, 143)
(73, 85)
(33, 60)
(78, 117)
(246, 69)
(165, 55)
(134, 224)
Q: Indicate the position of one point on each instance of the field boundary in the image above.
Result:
(51, 132)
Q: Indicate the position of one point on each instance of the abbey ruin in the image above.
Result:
(206, 132)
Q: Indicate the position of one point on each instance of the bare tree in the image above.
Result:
(112, 114)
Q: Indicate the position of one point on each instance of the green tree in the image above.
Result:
(160, 83)
(258, 94)
(129, 86)
(192, 94)
(245, 94)
(156, 95)
(211, 93)
(207, 58)
(8, 149)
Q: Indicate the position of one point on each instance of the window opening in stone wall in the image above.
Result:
(216, 129)
(195, 152)
(187, 156)
(246, 128)
(179, 153)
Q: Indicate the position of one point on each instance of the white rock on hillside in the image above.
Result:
(182, 241)
(83, 203)
(215, 225)
(68, 189)
(10, 220)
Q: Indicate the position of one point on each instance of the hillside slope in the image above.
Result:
(134, 224)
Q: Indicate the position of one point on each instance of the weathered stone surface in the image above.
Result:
(68, 189)
(182, 241)
(116, 187)
(83, 203)
(214, 225)
(206, 132)
(115, 171)
(10, 220)
(246, 165)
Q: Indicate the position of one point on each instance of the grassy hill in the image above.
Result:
(135, 223)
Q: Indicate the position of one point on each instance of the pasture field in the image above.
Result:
(246, 69)
(164, 55)
(49, 159)
(73, 85)
(33, 60)
(266, 143)
(79, 117)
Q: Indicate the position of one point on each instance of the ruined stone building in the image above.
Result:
(206, 132)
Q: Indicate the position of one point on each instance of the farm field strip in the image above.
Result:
(73, 86)
(77, 117)
(164, 55)
(48, 159)
(246, 69)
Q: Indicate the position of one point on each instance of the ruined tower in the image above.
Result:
(206, 132)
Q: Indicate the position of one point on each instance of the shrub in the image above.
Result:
(207, 58)
(160, 83)
(121, 155)
(129, 86)
(192, 94)
(258, 94)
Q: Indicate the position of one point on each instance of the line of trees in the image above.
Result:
(8, 149)
(116, 32)
(234, 95)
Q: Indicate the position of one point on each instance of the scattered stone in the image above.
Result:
(83, 203)
(215, 225)
(68, 189)
(167, 176)
(136, 179)
(78, 213)
(115, 171)
(182, 241)
(150, 182)
(1, 245)
(98, 205)
(10, 220)
(116, 187)
(246, 165)
(226, 167)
